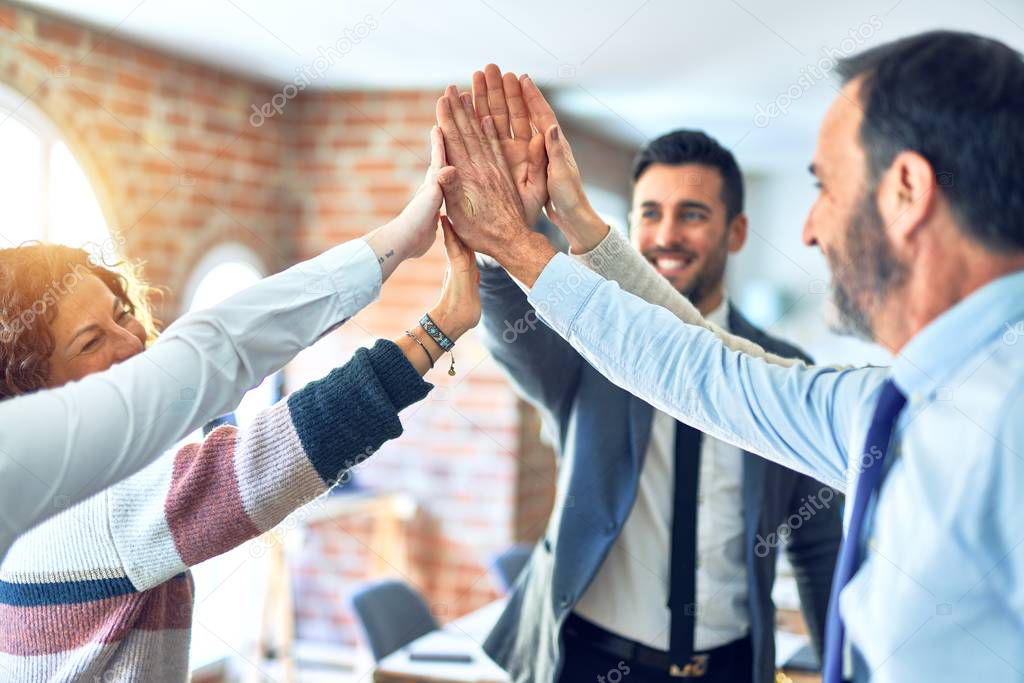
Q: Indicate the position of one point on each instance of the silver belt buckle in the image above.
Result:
(695, 668)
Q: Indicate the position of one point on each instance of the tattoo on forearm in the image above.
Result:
(380, 259)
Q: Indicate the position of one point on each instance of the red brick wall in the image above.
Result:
(166, 143)
(360, 156)
(179, 167)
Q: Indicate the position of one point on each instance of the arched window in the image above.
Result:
(46, 194)
(226, 270)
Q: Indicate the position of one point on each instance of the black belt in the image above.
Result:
(697, 666)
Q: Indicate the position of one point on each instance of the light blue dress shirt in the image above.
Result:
(940, 595)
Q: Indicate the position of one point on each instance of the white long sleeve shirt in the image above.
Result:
(60, 446)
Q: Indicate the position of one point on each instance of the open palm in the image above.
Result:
(501, 98)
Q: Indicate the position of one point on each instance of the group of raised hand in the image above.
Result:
(507, 160)
(498, 158)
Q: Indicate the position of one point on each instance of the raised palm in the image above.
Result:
(523, 147)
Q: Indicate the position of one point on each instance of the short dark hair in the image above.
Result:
(957, 99)
(695, 147)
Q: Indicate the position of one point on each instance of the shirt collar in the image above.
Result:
(720, 314)
(946, 343)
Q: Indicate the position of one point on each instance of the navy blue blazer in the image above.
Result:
(602, 433)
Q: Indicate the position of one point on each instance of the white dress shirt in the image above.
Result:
(60, 446)
(629, 594)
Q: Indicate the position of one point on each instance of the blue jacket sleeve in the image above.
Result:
(542, 366)
(812, 549)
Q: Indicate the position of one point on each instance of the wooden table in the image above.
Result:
(464, 636)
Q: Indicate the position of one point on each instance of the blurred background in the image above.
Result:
(221, 141)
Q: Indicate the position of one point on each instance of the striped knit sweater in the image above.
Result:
(102, 591)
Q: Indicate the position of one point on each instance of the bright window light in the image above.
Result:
(47, 195)
(22, 179)
(75, 215)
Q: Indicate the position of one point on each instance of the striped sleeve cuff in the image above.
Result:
(344, 418)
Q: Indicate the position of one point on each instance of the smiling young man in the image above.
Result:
(663, 557)
(687, 213)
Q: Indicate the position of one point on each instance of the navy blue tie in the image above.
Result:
(871, 464)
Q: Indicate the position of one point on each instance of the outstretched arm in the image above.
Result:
(546, 174)
(238, 483)
(60, 446)
(615, 260)
(601, 249)
(800, 417)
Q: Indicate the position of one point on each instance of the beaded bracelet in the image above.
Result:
(442, 339)
(431, 328)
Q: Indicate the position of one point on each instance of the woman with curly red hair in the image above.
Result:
(61, 444)
(34, 279)
(103, 588)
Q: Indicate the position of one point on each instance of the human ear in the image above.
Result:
(737, 233)
(906, 196)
